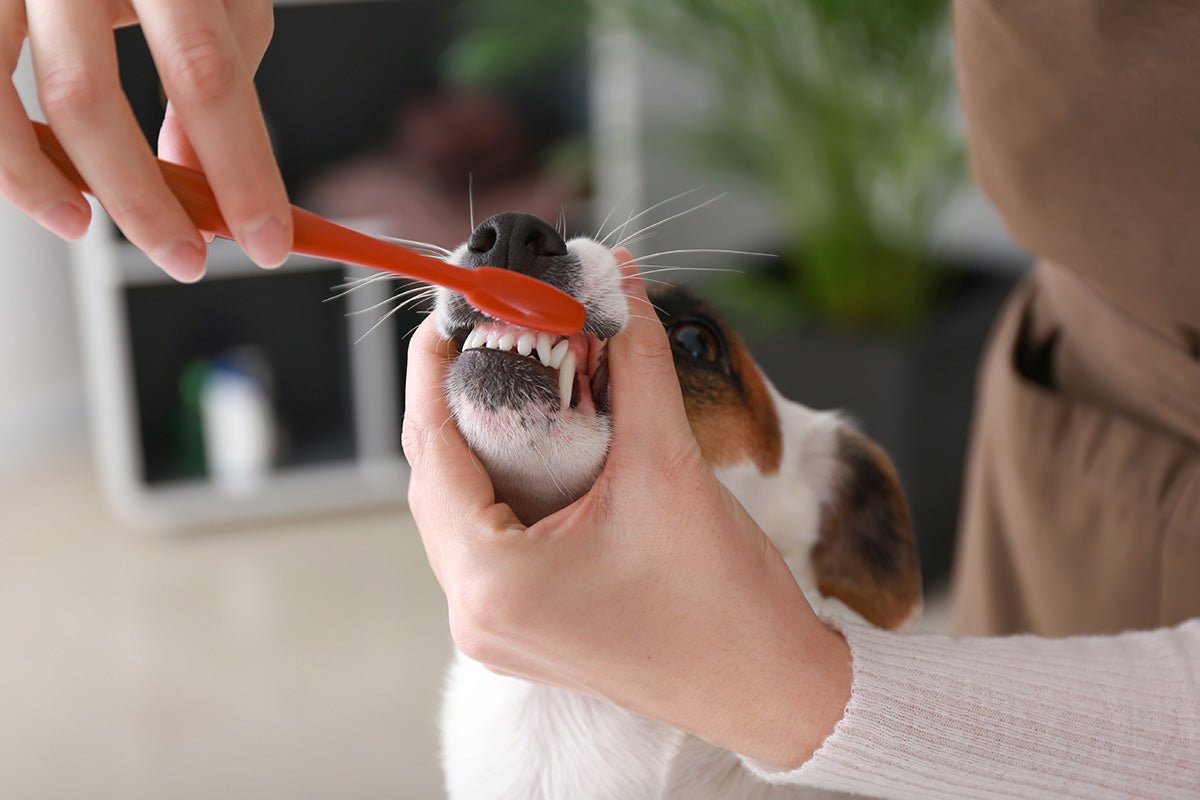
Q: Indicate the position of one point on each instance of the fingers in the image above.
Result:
(252, 24)
(27, 177)
(78, 86)
(208, 78)
(448, 483)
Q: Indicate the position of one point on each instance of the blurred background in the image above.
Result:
(209, 585)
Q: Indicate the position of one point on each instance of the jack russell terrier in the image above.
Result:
(535, 410)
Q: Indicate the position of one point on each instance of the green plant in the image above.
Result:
(839, 108)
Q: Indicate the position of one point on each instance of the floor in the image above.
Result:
(292, 661)
(289, 661)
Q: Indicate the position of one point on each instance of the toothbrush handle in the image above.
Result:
(505, 294)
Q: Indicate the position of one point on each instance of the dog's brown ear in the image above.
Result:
(866, 554)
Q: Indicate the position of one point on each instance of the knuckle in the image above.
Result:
(69, 92)
(198, 65)
(471, 642)
(413, 438)
(136, 217)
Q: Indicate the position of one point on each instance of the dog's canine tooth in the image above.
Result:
(525, 343)
(544, 347)
(566, 377)
(475, 339)
(507, 340)
(557, 354)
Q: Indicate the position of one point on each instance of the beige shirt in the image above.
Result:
(1083, 494)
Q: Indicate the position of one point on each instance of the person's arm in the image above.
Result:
(206, 52)
(1022, 716)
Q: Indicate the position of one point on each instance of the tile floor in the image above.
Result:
(289, 661)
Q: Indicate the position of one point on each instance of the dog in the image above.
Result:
(535, 409)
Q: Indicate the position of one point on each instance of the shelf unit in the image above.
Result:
(336, 388)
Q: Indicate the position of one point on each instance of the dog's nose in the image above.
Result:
(520, 242)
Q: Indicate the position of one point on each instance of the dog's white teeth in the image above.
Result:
(566, 377)
(472, 340)
(506, 341)
(558, 353)
(544, 346)
(493, 339)
(525, 343)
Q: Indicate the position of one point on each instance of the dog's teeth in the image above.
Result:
(525, 343)
(493, 339)
(557, 354)
(566, 378)
(543, 348)
(506, 341)
(475, 339)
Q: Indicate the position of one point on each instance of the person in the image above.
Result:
(802, 699)
(206, 54)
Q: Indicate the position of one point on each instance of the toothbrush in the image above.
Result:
(504, 294)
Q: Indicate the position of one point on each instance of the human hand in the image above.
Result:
(206, 52)
(655, 591)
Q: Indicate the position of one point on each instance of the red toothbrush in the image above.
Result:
(507, 295)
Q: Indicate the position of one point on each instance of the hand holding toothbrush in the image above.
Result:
(206, 52)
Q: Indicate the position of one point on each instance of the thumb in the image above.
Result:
(647, 406)
(447, 482)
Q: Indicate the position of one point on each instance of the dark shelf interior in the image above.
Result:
(303, 340)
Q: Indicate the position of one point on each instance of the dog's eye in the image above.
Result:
(695, 340)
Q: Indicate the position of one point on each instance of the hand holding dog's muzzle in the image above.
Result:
(655, 590)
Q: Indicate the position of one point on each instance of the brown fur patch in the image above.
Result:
(867, 554)
(729, 407)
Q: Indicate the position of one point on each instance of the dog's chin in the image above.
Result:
(541, 436)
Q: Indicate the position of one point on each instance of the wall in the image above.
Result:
(41, 388)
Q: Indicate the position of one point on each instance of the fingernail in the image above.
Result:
(266, 242)
(68, 220)
(183, 260)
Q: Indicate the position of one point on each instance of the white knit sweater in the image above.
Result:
(1015, 717)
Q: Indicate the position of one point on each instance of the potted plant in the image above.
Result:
(841, 110)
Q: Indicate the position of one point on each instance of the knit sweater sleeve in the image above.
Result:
(1014, 717)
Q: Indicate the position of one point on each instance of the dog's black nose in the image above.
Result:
(520, 242)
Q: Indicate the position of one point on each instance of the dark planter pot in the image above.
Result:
(911, 392)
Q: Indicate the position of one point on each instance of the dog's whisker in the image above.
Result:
(471, 201)
(414, 302)
(359, 311)
(656, 280)
(414, 244)
(409, 334)
(665, 220)
(709, 250)
(600, 237)
(413, 295)
(359, 285)
(375, 276)
(382, 320)
(655, 306)
(655, 269)
(620, 231)
(646, 211)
